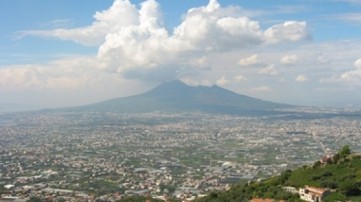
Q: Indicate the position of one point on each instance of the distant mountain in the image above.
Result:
(175, 96)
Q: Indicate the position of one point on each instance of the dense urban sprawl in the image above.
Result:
(93, 156)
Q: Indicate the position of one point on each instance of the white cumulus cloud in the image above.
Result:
(289, 59)
(240, 78)
(135, 43)
(121, 14)
(353, 76)
(65, 74)
(193, 82)
(301, 78)
(269, 70)
(222, 81)
(288, 31)
(250, 61)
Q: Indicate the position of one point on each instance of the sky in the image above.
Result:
(70, 53)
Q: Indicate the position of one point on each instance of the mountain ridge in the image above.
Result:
(175, 96)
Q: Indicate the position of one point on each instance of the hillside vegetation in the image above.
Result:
(341, 174)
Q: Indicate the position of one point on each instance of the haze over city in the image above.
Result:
(68, 53)
(165, 101)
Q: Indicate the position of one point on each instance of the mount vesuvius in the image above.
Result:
(175, 96)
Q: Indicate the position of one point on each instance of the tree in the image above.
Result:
(138, 199)
(34, 199)
(336, 158)
(317, 164)
(335, 197)
(347, 187)
(213, 195)
(345, 151)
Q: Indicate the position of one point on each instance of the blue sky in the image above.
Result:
(66, 52)
(20, 15)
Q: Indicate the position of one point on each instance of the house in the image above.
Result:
(313, 194)
(11, 198)
(292, 190)
(326, 159)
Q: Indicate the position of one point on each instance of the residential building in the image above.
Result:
(313, 194)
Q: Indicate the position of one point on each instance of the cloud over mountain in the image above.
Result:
(135, 42)
(249, 51)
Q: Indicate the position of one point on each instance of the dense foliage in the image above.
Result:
(34, 199)
(341, 173)
(143, 198)
(139, 199)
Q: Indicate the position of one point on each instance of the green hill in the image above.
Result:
(341, 174)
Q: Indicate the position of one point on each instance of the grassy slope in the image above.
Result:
(343, 175)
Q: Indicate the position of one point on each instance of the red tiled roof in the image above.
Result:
(316, 190)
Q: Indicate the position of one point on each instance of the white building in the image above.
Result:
(313, 194)
(292, 190)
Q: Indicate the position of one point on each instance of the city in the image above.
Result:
(87, 157)
(157, 100)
